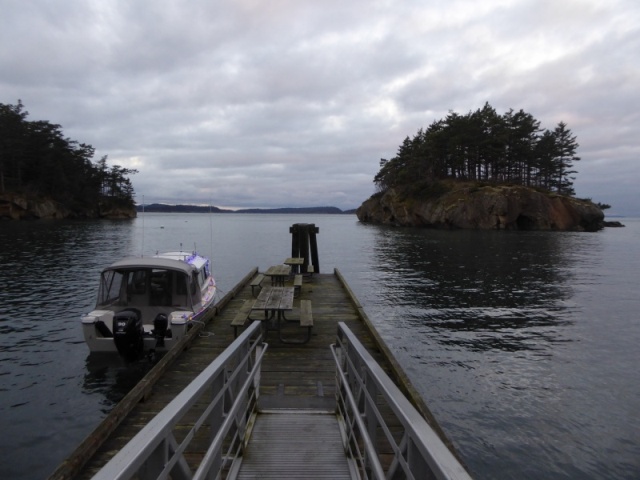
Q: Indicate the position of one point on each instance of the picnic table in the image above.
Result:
(278, 274)
(274, 302)
(295, 263)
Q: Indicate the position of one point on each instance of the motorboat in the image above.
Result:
(148, 304)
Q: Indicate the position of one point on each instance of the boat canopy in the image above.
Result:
(149, 282)
(152, 262)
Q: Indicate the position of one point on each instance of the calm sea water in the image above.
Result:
(525, 345)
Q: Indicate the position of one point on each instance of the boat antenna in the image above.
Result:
(142, 252)
(211, 235)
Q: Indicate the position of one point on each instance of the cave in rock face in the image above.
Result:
(526, 223)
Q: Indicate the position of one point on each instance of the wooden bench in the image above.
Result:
(297, 283)
(256, 283)
(306, 321)
(310, 270)
(241, 317)
(306, 317)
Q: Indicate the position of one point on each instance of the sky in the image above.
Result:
(292, 103)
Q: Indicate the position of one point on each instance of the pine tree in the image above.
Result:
(483, 145)
(566, 147)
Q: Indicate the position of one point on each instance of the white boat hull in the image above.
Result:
(148, 304)
(98, 343)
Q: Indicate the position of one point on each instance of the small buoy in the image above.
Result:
(161, 226)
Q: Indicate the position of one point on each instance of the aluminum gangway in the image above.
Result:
(373, 433)
(295, 444)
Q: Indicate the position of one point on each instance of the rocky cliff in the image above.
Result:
(483, 207)
(14, 206)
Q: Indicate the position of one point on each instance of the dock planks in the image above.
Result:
(293, 376)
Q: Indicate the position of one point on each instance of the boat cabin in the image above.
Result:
(152, 282)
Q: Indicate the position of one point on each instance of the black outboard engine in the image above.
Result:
(160, 325)
(127, 333)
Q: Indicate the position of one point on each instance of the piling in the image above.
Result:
(305, 245)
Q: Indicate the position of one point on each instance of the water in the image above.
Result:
(523, 344)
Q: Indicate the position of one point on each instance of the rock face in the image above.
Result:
(15, 206)
(484, 207)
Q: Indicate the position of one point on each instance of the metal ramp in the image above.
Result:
(294, 444)
(373, 431)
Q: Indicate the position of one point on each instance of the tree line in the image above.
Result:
(485, 146)
(36, 158)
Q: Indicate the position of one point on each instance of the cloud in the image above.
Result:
(293, 103)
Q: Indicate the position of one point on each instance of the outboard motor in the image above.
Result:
(160, 325)
(127, 333)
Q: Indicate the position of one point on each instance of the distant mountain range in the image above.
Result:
(164, 208)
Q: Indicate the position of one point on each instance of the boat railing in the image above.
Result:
(222, 401)
(365, 397)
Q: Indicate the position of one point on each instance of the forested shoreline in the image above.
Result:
(37, 160)
(484, 146)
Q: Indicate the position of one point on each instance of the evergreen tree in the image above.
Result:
(566, 146)
(36, 158)
(545, 154)
(12, 144)
(484, 145)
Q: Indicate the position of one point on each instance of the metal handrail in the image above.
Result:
(232, 381)
(363, 392)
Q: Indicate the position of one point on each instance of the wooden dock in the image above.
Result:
(293, 376)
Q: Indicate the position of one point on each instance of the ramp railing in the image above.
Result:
(219, 404)
(366, 401)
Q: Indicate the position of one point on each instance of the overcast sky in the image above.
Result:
(254, 103)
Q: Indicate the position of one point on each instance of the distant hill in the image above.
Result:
(292, 210)
(164, 208)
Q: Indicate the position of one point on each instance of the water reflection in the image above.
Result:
(511, 339)
(111, 378)
(506, 288)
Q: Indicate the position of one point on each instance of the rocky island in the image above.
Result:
(483, 170)
(474, 206)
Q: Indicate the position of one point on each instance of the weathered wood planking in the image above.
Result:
(292, 375)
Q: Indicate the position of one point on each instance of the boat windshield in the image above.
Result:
(110, 287)
(143, 286)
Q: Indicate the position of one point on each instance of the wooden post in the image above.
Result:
(313, 243)
(303, 238)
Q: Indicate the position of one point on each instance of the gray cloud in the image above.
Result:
(293, 103)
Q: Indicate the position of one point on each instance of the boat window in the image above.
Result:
(110, 286)
(181, 284)
(161, 283)
(137, 284)
(194, 285)
(181, 299)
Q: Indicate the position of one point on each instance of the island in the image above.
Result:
(483, 170)
(45, 175)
